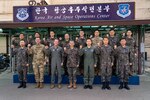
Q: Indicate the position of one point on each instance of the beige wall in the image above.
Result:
(2, 44)
(142, 6)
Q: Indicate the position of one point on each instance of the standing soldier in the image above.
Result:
(90, 61)
(22, 63)
(106, 53)
(56, 54)
(50, 40)
(50, 43)
(72, 63)
(15, 44)
(97, 41)
(113, 42)
(124, 61)
(81, 42)
(38, 52)
(65, 44)
(132, 45)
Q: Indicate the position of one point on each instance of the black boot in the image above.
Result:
(24, 85)
(90, 87)
(107, 86)
(86, 86)
(121, 85)
(126, 86)
(21, 84)
(103, 85)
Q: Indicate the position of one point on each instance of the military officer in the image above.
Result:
(107, 57)
(38, 52)
(90, 61)
(56, 54)
(22, 63)
(65, 44)
(81, 42)
(97, 41)
(123, 53)
(131, 43)
(72, 63)
(114, 42)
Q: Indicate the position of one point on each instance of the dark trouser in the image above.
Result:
(106, 72)
(88, 75)
(81, 65)
(53, 72)
(65, 66)
(72, 74)
(124, 73)
(22, 73)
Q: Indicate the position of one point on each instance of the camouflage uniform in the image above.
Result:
(124, 60)
(95, 42)
(22, 61)
(38, 52)
(107, 58)
(72, 62)
(112, 42)
(66, 45)
(131, 43)
(50, 41)
(90, 59)
(56, 55)
(81, 41)
(15, 43)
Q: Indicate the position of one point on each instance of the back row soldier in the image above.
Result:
(97, 41)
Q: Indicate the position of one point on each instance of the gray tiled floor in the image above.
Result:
(9, 91)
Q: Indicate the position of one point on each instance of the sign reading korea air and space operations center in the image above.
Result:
(75, 12)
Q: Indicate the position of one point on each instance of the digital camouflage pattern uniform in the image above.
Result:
(124, 60)
(72, 63)
(22, 61)
(131, 43)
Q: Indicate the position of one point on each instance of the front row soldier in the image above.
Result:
(90, 61)
(106, 52)
(56, 55)
(72, 63)
(22, 63)
(123, 53)
(38, 52)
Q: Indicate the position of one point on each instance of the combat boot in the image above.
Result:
(103, 85)
(24, 85)
(59, 86)
(70, 85)
(41, 85)
(21, 84)
(37, 85)
(74, 85)
(52, 86)
(126, 86)
(107, 86)
(121, 85)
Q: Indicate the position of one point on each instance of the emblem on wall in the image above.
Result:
(123, 10)
(22, 14)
